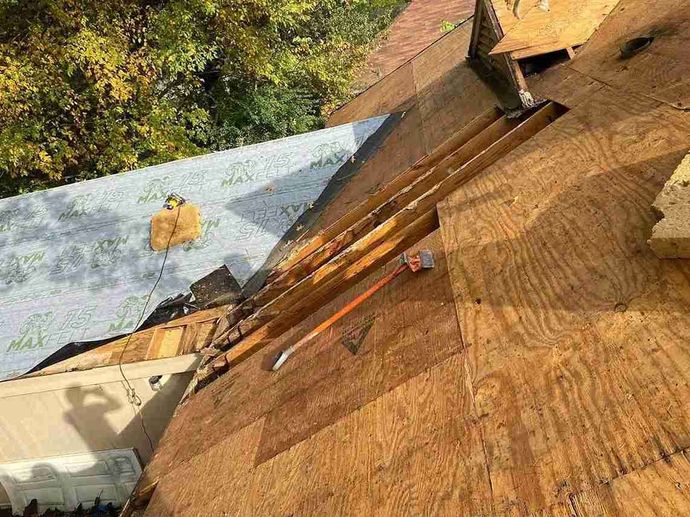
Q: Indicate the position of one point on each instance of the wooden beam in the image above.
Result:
(365, 252)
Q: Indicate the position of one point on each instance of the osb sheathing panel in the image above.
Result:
(578, 336)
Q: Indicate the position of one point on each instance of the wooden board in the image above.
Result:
(395, 92)
(663, 70)
(538, 31)
(578, 335)
(185, 335)
(660, 488)
(563, 390)
(374, 461)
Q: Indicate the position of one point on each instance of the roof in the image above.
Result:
(541, 366)
(75, 261)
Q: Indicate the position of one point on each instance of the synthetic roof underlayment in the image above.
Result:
(75, 261)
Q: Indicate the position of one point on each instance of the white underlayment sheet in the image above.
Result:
(75, 261)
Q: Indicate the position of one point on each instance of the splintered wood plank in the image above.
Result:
(663, 70)
(140, 347)
(578, 335)
(270, 322)
(660, 488)
(450, 94)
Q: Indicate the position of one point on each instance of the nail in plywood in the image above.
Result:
(579, 333)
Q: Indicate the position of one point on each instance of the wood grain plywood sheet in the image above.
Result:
(578, 335)
(415, 449)
(538, 31)
(663, 70)
(193, 484)
(404, 329)
(564, 85)
(660, 488)
(450, 94)
(401, 149)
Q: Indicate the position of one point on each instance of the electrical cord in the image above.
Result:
(132, 395)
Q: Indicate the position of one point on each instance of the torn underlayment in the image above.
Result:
(76, 263)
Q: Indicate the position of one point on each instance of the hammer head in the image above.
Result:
(422, 260)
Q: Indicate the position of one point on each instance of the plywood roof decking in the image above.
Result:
(576, 333)
(544, 369)
(671, 235)
(406, 329)
(663, 70)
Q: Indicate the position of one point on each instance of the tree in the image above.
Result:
(89, 88)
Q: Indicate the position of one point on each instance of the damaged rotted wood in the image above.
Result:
(398, 183)
(350, 276)
(489, 144)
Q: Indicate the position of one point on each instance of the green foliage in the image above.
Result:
(89, 88)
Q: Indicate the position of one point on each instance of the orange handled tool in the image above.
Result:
(423, 260)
